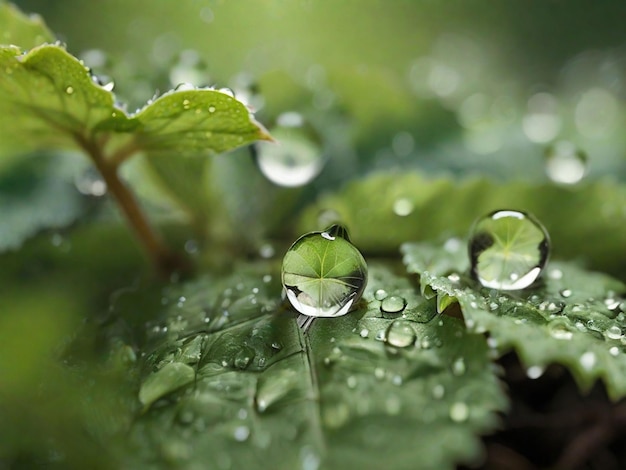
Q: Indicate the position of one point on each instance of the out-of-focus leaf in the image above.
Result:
(22, 30)
(386, 210)
(572, 317)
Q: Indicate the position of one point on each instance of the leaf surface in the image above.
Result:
(571, 317)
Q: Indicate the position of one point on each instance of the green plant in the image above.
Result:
(105, 366)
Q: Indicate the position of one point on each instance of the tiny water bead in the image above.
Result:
(296, 158)
(508, 250)
(400, 334)
(323, 273)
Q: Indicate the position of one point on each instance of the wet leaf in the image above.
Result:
(265, 395)
(570, 317)
(385, 210)
(22, 30)
(48, 99)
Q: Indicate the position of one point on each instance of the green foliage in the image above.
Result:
(231, 378)
(572, 317)
(584, 222)
(21, 30)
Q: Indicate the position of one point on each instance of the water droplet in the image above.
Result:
(400, 334)
(323, 273)
(458, 367)
(69, 90)
(244, 357)
(438, 392)
(186, 104)
(211, 109)
(612, 303)
(613, 332)
(380, 294)
(565, 164)
(364, 333)
(560, 329)
(566, 293)
(379, 373)
(588, 360)
(459, 412)
(295, 159)
(508, 250)
(241, 433)
(534, 372)
(403, 207)
(614, 351)
(393, 304)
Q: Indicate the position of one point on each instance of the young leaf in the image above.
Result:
(572, 317)
(18, 29)
(267, 396)
(48, 99)
(385, 210)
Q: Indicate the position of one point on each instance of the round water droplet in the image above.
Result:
(459, 412)
(364, 333)
(613, 332)
(295, 159)
(400, 334)
(244, 357)
(614, 351)
(566, 293)
(565, 164)
(323, 274)
(508, 250)
(69, 90)
(534, 372)
(393, 304)
(560, 329)
(241, 433)
(403, 207)
(380, 294)
(588, 360)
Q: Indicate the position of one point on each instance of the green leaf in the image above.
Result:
(36, 196)
(584, 221)
(22, 30)
(48, 99)
(572, 317)
(169, 378)
(265, 395)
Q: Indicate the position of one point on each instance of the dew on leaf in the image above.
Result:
(613, 332)
(295, 159)
(508, 250)
(364, 333)
(400, 334)
(69, 90)
(459, 412)
(614, 351)
(565, 164)
(244, 357)
(380, 294)
(565, 293)
(323, 274)
(560, 329)
(211, 109)
(534, 372)
(588, 360)
(393, 304)
(403, 207)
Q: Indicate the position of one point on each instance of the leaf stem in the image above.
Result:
(164, 260)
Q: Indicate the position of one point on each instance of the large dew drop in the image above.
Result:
(296, 158)
(323, 274)
(508, 250)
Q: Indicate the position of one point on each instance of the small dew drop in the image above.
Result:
(393, 304)
(364, 333)
(614, 351)
(459, 412)
(613, 332)
(211, 109)
(241, 433)
(566, 293)
(69, 90)
(380, 294)
(588, 360)
(403, 207)
(534, 372)
(400, 334)
(560, 329)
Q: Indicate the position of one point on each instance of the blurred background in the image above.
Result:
(532, 91)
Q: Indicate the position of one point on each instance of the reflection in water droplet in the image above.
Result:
(400, 334)
(323, 273)
(393, 304)
(459, 412)
(508, 250)
(565, 163)
(588, 360)
(296, 158)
